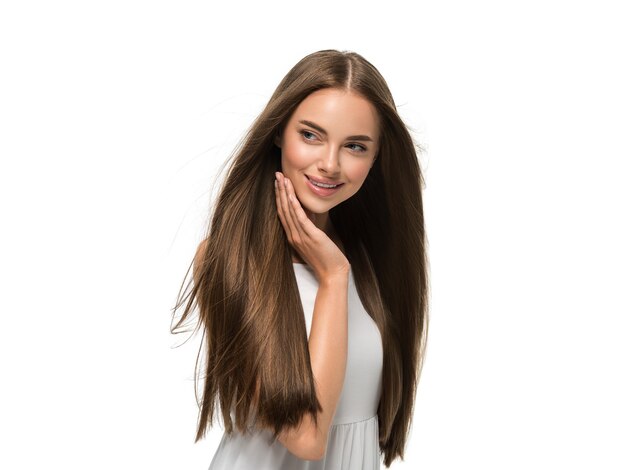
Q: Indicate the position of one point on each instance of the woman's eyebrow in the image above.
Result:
(323, 131)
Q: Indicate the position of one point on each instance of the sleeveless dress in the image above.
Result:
(353, 436)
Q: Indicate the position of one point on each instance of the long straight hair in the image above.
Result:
(244, 285)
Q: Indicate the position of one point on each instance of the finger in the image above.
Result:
(280, 207)
(293, 225)
(307, 227)
(294, 205)
(289, 223)
(291, 199)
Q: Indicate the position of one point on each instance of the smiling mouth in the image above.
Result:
(323, 185)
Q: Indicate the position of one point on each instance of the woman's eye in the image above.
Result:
(307, 135)
(357, 147)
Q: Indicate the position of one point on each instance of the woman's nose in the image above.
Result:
(329, 161)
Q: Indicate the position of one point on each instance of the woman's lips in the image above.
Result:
(323, 192)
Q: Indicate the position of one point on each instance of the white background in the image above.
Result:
(115, 118)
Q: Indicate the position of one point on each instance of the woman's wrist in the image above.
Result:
(336, 278)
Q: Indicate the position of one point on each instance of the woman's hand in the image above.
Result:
(311, 243)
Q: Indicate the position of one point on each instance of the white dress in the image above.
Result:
(353, 437)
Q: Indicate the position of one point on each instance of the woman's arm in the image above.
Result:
(328, 348)
(328, 338)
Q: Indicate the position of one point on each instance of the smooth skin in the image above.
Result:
(332, 155)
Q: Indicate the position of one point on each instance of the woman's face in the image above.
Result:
(332, 137)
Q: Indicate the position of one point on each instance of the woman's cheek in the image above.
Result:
(306, 153)
(296, 153)
(360, 171)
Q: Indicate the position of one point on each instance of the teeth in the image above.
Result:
(322, 185)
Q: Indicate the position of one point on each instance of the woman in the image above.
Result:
(313, 295)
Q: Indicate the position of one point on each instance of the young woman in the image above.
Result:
(311, 283)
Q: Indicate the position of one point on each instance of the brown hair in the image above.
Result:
(244, 284)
